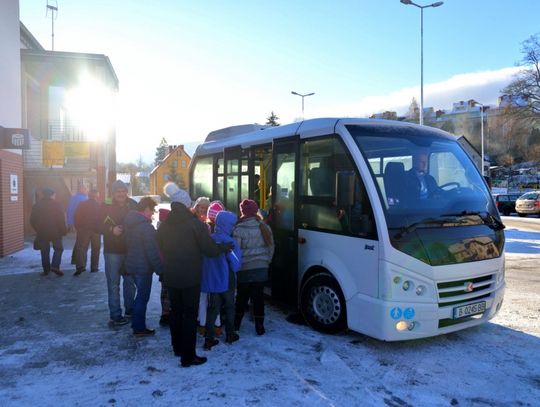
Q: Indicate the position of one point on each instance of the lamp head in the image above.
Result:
(407, 2)
(437, 4)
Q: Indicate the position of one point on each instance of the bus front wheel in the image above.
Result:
(323, 304)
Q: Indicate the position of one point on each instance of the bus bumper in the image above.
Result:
(398, 321)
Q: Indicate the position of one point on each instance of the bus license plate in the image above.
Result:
(471, 309)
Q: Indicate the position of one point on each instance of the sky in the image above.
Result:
(190, 67)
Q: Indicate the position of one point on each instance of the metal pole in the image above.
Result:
(52, 22)
(302, 96)
(482, 134)
(421, 66)
(436, 4)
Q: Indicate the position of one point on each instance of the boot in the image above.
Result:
(79, 271)
(259, 325)
(57, 271)
(238, 320)
(209, 343)
(230, 338)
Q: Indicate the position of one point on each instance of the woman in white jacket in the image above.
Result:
(257, 245)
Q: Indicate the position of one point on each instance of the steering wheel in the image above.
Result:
(456, 185)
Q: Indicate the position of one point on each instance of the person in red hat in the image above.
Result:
(257, 245)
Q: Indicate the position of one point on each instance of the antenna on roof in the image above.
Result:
(52, 5)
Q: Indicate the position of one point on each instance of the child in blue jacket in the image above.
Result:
(219, 281)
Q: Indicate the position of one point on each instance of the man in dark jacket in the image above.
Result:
(142, 259)
(49, 222)
(85, 220)
(114, 251)
(183, 240)
(418, 181)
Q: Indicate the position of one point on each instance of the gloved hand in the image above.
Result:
(225, 247)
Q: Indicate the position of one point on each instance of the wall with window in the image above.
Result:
(174, 168)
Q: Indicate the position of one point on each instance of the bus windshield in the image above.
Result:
(424, 179)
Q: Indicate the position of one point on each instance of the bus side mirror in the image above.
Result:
(344, 189)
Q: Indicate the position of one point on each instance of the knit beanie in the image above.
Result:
(177, 194)
(248, 208)
(202, 200)
(118, 184)
(214, 208)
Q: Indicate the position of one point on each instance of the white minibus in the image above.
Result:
(383, 227)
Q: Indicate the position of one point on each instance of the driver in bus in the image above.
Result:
(419, 183)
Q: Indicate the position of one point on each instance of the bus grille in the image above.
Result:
(461, 292)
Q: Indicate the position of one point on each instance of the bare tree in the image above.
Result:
(526, 84)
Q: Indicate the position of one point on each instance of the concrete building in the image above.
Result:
(11, 159)
(68, 106)
(57, 124)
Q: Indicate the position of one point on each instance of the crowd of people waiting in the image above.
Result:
(202, 253)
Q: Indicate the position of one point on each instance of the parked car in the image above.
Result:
(528, 204)
(506, 203)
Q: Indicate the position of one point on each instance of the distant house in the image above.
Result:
(174, 167)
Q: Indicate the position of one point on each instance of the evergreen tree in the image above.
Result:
(272, 120)
(161, 151)
(414, 111)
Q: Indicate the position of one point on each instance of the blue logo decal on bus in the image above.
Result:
(408, 313)
(395, 313)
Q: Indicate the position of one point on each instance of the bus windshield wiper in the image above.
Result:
(430, 222)
(487, 218)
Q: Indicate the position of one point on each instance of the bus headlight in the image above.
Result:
(407, 284)
(420, 290)
(401, 325)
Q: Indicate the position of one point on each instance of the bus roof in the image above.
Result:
(251, 134)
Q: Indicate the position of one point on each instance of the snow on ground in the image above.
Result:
(56, 349)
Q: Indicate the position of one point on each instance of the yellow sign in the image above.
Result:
(77, 149)
(53, 154)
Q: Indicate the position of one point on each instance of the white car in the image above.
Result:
(528, 204)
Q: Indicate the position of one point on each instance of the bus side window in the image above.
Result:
(321, 162)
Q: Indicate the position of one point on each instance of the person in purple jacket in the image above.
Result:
(219, 281)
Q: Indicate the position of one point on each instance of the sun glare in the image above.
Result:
(90, 106)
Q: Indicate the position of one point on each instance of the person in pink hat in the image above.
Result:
(213, 209)
(257, 246)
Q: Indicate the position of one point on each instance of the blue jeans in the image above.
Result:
(144, 286)
(114, 268)
(46, 253)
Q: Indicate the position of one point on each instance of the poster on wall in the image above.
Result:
(14, 183)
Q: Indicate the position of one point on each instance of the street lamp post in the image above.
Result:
(481, 132)
(436, 4)
(302, 96)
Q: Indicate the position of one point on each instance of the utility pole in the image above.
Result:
(54, 14)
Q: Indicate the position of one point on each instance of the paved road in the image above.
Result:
(528, 223)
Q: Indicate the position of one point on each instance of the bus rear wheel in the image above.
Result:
(323, 305)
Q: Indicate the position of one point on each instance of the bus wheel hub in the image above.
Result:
(326, 305)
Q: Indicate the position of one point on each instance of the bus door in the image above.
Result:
(281, 217)
(236, 177)
(260, 171)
